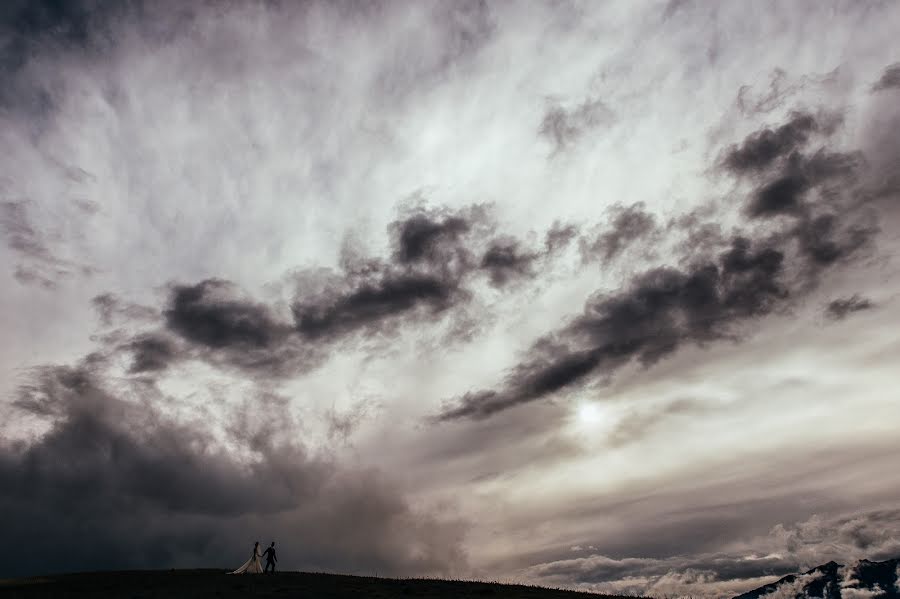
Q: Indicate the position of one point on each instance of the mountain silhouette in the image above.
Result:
(860, 580)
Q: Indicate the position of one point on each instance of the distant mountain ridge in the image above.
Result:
(860, 580)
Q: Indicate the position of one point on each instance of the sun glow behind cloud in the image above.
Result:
(590, 414)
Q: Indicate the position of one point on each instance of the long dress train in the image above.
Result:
(252, 565)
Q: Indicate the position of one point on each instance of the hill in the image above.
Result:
(861, 580)
(197, 584)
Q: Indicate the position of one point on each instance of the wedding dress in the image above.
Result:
(252, 565)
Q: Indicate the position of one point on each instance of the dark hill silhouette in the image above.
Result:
(196, 584)
(829, 580)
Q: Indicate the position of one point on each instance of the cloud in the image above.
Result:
(372, 304)
(662, 309)
(711, 575)
(845, 537)
(433, 256)
(851, 585)
(781, 88)
(565, 126)
(628, 225)
(436, 256)
(229, 329)
(795, 587)
(21, 235)
(775, 160)
(839, 309)
(747, 563)
(505, 260)
(761, 149)
(114, 483)
(638, 424)
(342, 424)
(777, 94)
(559, 236)
(209, 313)
(665, 308)
(110, 307)
(40, 265)
(370, 296)
(432, 238)
(785, 191)
(889, 79)
(151, 353)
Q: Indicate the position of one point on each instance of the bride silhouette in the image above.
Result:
(252, 565)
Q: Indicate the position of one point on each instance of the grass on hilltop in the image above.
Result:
(191, 584)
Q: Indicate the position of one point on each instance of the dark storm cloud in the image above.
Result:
(785, 172)
(228, 329)
(25, 24)
(429, 238)
(115, 484)
(435, 255)
(69, 20)
(151, 353)
(841, 308)
(371, 305)
(785, 192)
(628, 224)
(761, 149)
(563, 127)
(208, 313)
(710, 298)
(701, 236)
(505, 261)
(661, 310)
(34, 30)
(889, 79)
(826, 240)
(783, 195)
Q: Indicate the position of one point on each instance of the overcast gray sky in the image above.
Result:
(589, 294)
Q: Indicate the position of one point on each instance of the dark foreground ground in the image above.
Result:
(189, 584)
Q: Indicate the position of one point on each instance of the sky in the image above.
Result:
(596, 295)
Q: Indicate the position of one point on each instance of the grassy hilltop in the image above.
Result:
(190, 584)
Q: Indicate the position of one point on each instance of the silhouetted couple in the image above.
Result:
(254, 566)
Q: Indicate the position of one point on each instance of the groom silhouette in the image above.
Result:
(270, 557)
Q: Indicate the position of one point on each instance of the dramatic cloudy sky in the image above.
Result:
(600, 295)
